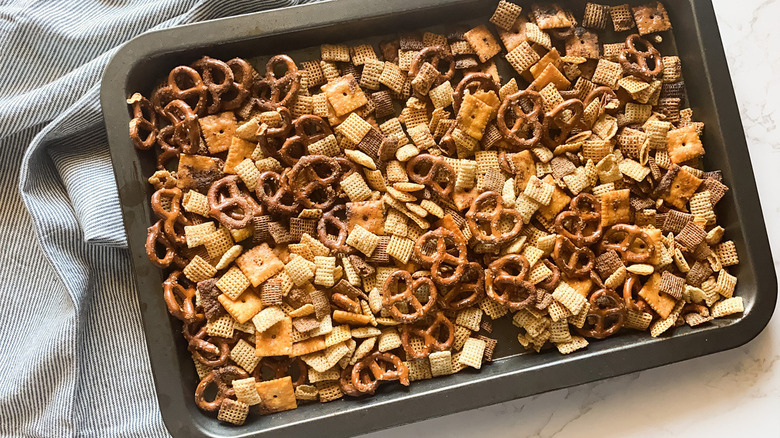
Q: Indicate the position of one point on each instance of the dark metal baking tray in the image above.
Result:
(143, 61)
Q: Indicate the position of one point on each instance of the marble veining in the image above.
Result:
(733, 393)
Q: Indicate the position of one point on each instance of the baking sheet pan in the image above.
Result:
(298, 31)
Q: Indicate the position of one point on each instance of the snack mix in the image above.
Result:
(339, 223)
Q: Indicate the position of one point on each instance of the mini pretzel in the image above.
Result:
(631, 242)
(243, 79)
(312, 179)
(446, 268)
(143, 126)
(336, 218)
(232, 211)
(186, 129)
(506, 284)
(184, 83)
(429, 170)
(156, 235)
(284, 89)
(218, 79)
(551, 282)
(467, 292)
(582, 223)
(408, 296)
(345, 382)
(173, 217)
(169, 150)
(296, 146)
(180, 300)
(606, 315)
(472, 83)
(275, 194)
(574, 261)
(525, 131)
(486, 225)
(631, 289)
(377, 364)
(198, 346)
(605, 95)
(561, 121)
(222, 377)
(435, 55)
(641, 59)
(430, 335)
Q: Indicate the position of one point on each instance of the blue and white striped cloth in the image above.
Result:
(75, 361)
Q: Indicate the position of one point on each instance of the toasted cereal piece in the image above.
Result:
(362, 240)
(392, 77)
(622, 18)
(388, 340)
(267, 318)
(198, 270)
(492, 309)
(419, 369)
(523, 57)
(607, 73)
(334, 52)
(362, 53)
(299, 270)
(596, 16)
(400, 248)
(470, 318)
(195, 233)
(196, 202)
(222, 327)
(576, 343)
(218, 243)
(246, 390)
(243, 354)
(472, 353)
(727, 253)
(232, 411)
(441, 363)
(568, 297)
(726, 284)
(727, 307)
(505, 15)
(539, 191)
(354, 128)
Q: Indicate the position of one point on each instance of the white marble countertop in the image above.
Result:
(732, 393)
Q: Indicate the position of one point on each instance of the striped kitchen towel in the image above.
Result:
(71, 335)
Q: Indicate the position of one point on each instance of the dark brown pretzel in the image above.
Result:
(297, 146)
(606, 315)
(172, 217)
(631, 242)
(277, 197)
(557, 128)
(186, 129)
(312, 188)
(243, 79)
(641, 59)
(232, 210)
(631, 289)
(185, 84)
(582, 223)
(143, 125)
(446, 268)
(512, 113)
(434, 55)
(468, 291)
(551, 282)
(283, 90)
(472, 83)
(169, 149)
(604, 95)
(427, 170)
(485, 226)
(336, 218)
(223, 378)
(199, 346)
(408, 296)
(156, 235)
(180, 300)
(218, 79)
(508, 288)
(345, 382)
(430, 335)
(377, 364)
(569, 258)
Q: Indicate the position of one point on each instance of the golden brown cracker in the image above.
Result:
(276, 395)
(259, 264)
(345, 95)
(218, 130)
(276, 340)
